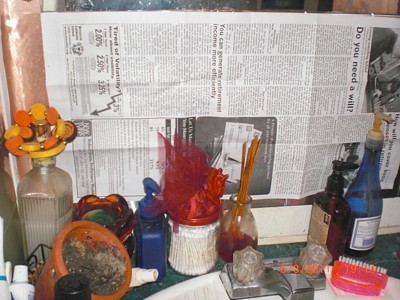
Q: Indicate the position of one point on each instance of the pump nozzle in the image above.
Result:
(375, 136)
(151, 188)
(376, 132)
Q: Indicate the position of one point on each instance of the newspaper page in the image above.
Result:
(306, 83)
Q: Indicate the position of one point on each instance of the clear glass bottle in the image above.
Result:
(45, 203)
(238, 229)
(44, 197)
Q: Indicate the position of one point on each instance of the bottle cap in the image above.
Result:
(150, 187)
(335, 182)
(74, 286)
(20, 273)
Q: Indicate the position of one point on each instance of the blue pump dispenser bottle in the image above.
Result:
(364, 194)
(151, 234)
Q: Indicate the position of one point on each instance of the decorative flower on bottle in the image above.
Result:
(39, 132)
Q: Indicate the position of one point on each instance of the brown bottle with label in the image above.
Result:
(330, 214)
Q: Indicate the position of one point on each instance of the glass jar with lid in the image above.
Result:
(193, 244)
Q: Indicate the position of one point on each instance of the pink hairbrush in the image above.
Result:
(357, 277)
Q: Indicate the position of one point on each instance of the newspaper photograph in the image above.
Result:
(308, 84)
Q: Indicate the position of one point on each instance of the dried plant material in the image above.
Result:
(99, 263)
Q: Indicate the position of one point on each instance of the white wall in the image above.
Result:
(289, 224)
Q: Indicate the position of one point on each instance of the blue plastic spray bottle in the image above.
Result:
(364, 194)
(151, 233)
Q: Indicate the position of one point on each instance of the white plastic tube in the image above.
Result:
(20, 288)
(142, 276)
(8, 268)
(4, 290)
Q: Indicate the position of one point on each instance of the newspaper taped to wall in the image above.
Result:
(306, 83)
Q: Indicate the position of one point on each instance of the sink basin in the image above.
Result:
(210, 287)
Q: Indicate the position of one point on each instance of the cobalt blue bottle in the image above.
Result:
(151, 233)
(364, 195)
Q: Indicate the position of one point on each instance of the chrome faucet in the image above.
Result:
(250, 276)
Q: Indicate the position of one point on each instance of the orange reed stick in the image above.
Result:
(248, 162)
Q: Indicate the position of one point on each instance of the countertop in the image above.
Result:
(386, 254)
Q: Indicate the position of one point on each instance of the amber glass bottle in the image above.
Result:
(238, 229)
(330, 214)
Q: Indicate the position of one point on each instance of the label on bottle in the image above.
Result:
(364, 233)
(319, 225)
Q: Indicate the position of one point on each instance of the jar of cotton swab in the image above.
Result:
(191, 194)
(193, 247)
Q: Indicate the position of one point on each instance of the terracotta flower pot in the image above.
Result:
(94, 237)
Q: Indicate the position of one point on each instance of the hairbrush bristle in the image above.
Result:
(369, 267)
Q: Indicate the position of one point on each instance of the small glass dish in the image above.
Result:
(112, 212)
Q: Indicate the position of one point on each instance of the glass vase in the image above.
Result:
(238, 229)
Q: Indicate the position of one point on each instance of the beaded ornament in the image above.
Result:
(30, 133)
